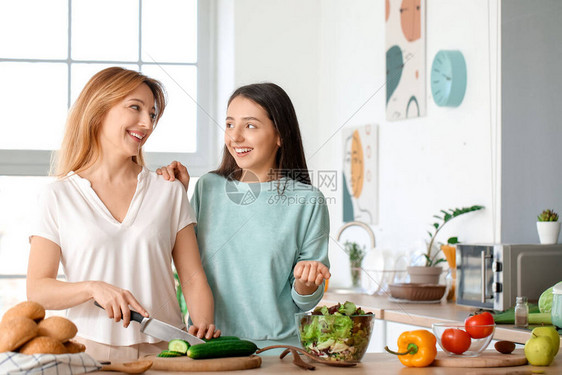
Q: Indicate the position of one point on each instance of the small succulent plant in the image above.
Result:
(548, 215)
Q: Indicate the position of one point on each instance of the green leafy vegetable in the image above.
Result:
(324, 310)
(340, 332)
(545, 300)
(348, 308)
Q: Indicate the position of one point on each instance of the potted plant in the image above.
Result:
(548, 227)
(356, 255)
(430, 272)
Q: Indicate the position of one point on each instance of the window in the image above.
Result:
(49, 50)
(18, 196)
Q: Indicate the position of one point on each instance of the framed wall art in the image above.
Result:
(360, 174)
(405, 59)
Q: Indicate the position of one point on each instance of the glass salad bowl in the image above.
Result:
(332, 335)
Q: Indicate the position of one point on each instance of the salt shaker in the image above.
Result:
(521, 312)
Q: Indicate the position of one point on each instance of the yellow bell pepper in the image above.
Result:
(416, 348)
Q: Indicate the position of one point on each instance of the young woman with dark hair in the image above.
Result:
(262, 228)
(289, 158)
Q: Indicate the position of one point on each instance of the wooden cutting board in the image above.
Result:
(214, 364)
(487, 359)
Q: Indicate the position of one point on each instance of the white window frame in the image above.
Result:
(37, 162)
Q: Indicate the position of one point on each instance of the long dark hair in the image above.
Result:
(290, 160)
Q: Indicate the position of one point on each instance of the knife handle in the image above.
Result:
(134, 315)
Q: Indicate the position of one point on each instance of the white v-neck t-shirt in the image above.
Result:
(135, 255)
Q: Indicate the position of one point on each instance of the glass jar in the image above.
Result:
(521, 312)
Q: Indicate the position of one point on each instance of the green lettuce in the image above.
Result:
(545, 300)
(348, 308)
(336, 332)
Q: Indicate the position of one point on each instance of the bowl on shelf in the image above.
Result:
(417, 292)
(457, 342)
(378, 281)
(335, 337)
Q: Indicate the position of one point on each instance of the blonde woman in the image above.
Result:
(115, 226)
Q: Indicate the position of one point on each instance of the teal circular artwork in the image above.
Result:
(448, 78)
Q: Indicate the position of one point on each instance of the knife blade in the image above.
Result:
(161, 330)
(164, 331)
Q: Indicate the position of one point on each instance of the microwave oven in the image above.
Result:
(492, 276)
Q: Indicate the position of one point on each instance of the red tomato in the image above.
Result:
(474, 325)
(455, 340)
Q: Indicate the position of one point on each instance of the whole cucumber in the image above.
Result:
(224, 348)
(222, 338)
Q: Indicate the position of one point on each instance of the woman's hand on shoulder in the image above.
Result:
(204, 330)
(309, 274)
(175, 170)
(116, 301)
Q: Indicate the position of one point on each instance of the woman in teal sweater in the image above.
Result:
(262, 228)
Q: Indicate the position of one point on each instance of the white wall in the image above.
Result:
(329, 55)
(277, 41)
(269, 41)
(439, 161)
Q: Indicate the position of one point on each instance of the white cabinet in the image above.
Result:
(394, 330)
(386, 333)
(378, 338)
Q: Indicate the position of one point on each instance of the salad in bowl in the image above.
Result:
(338, 333)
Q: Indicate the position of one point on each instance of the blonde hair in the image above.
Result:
(81, 147)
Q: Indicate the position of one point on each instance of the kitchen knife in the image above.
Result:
(160, 330)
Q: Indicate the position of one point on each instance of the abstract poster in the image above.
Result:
(405, 59)
(360, 174)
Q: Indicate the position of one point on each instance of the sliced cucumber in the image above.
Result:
(169, 354)
(178, 345)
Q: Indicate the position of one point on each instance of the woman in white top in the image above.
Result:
(115, 226)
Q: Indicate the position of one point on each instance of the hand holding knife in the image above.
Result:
(161, 330)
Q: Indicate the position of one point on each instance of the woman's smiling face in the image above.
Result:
(128, 124)
(251, 137)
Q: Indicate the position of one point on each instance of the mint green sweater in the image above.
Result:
(250, 238)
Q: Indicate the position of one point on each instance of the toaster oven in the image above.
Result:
(492, 276)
